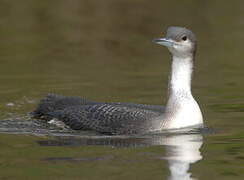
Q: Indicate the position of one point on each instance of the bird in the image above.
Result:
(117, 118)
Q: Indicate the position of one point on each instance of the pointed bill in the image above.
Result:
(164, 41)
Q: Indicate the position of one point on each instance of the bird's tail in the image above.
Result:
(46, 105)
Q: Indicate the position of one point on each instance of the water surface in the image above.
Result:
(103, 51)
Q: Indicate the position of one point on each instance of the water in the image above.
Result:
(103, 51)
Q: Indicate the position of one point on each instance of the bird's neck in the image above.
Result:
(181, 110)
(180, 77)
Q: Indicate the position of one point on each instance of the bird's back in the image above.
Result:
(110, 118)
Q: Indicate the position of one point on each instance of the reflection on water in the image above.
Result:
(182, 150)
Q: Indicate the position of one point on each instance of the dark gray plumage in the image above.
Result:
(109, 118)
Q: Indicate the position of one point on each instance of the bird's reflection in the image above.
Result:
(182, 150)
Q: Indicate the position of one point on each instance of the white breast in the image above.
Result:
(187, 114)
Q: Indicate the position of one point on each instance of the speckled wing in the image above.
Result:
(53, 102)
(107, 118)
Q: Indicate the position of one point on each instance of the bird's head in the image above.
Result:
(180, 41)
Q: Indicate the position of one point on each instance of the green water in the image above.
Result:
(102, 50)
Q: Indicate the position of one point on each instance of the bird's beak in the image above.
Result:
(164, 41)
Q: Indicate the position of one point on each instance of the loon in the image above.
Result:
(181, 110)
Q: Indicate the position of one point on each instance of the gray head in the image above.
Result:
(179, 40)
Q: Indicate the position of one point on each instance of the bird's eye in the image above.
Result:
(184, 38)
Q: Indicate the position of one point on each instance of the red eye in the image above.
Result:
(184, 38)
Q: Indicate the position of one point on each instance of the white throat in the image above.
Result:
(181, 110)
(180, 79)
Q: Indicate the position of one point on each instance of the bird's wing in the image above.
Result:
(54, 102)
(107, 118)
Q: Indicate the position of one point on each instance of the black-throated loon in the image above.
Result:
(180, 111)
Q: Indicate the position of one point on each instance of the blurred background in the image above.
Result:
(103, 50)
